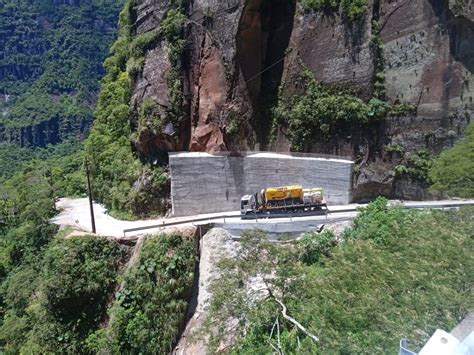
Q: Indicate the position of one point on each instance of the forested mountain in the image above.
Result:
(50, 67)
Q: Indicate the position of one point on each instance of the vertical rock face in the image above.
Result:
(152, 82)
(150, 13)
(427, 56)
(233, 64)
(215, 82)
(337, 52)
(240, 52)
(429, 62)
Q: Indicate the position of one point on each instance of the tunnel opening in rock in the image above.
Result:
(264, 34)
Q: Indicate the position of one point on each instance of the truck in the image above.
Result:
(292, 199)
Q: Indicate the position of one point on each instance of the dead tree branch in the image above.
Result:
(291, 319)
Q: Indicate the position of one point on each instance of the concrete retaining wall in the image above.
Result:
(205, 183)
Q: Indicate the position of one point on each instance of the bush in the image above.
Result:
(151, 193)
(321, 111)
(452, 173)
(376, 223)
(77, 273)
(151, 305)
(59, 299)
(352, 10)
(313, 246)
(149, 115)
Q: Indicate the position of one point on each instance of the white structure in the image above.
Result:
(206, 183)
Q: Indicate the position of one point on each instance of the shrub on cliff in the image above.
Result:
(151, 305)
(353, 10)
(452, 173)
(321, 112)
(53, 302)
(313, 246)
(116, 170)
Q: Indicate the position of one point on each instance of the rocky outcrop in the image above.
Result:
(215, 246)
(230, 46)
(240, 52)
(150, 13)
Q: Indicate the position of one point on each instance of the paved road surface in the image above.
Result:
(75, 212)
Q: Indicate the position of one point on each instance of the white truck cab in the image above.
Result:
(247, 204)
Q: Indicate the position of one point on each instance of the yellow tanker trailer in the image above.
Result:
(283, 200)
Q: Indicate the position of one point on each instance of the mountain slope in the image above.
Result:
(50, 67)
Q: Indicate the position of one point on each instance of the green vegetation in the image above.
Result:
(173, 30)
(321, 112)
(52, 289)
(149, 115)
(53, 301)
(396, 273)
(233, 126)
(51, 62)
(151, 304)
(115, 169)
(137, 50)
(352, 10)
(416, 165)
(402, 109)
(63, 163)
(313, 246)
(395, 148)
(379, 63)
(153, 194)
(452, 173)
(459, 6)
(51, 65)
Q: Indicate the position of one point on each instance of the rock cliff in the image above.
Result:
(241, 57)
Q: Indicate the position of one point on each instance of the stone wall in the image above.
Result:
(205, 183)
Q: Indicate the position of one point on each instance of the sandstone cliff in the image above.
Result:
(241, 56)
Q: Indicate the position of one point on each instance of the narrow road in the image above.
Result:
(75, 213)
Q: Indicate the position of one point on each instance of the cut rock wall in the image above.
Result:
(205, 183)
